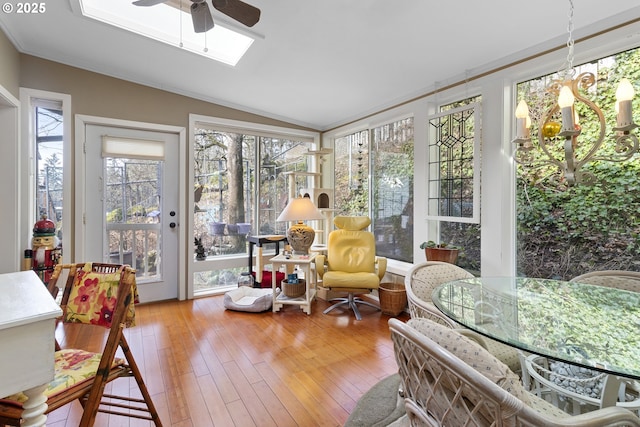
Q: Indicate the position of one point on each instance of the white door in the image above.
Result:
(131, 204)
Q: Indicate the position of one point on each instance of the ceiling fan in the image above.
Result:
(201, 14)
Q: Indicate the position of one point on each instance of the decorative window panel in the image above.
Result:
(454, 165)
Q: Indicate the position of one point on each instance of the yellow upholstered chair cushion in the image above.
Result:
(351, 251)
(352, 223)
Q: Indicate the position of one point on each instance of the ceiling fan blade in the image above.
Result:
(201, 16)
(148, 2)
(238, 10)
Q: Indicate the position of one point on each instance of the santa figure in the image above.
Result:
(45, 250)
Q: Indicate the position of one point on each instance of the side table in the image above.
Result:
(258, 241)
(305, 264)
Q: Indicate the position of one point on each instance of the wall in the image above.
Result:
(9, 172)
(9, 66)
(99, 95)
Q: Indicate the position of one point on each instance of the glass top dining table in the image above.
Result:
(588, 325)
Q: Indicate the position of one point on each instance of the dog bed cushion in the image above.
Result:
(248, 299)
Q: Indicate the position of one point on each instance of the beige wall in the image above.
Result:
(9, 66)
(99, 95)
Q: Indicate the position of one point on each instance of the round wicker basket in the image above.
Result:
(294, 290)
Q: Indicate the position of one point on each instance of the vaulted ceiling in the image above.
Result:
(322, 63)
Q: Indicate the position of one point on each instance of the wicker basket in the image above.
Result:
(393, 298)
(294, 290)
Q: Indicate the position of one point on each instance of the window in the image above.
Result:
(566, 231)
(49, 160)
(374, 177)
(454, 180)
(132, 203)
(242, 180)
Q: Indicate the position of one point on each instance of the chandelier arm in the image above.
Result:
(627, 145)
(585, 81)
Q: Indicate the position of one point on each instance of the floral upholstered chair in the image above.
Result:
(102, 296)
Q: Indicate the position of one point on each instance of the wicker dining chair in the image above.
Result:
(577, 390)
(94, 295)
(450, 380)
(420, 282)
(619, 279)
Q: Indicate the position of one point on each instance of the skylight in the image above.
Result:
(171, 26)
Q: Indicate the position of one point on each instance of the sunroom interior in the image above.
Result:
(153, 156)
(378, 162)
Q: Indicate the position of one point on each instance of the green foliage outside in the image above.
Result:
(565, 231)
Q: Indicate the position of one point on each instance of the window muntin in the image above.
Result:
(453, 192)
(453, 215)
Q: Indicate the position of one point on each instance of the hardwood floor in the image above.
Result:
(207, 366)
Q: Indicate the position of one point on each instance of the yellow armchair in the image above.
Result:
(351, 264)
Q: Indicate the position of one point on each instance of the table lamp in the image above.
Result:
(300, 235)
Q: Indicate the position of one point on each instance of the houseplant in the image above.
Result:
(440, 251)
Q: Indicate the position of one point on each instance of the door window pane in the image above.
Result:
(132, 214)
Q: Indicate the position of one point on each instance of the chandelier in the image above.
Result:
(559, 128)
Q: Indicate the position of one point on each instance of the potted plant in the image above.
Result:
(440, 252)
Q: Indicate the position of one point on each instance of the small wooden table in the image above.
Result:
(258, 241)
(28, 315)
(305, 263)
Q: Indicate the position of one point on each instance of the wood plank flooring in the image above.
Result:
(207, 366)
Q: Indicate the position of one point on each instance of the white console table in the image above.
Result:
(28, 315)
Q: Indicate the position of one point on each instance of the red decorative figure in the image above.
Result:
(45, 249)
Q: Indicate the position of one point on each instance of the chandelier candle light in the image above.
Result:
(567, 89)
(300, 235)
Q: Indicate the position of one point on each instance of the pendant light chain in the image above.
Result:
(569, 71)
(180, 23)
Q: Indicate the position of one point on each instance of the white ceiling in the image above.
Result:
(322, 63)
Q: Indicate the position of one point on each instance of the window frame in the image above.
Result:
(232, 126)
(28, 165)
(477, 161)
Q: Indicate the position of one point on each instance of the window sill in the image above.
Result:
(398, 267)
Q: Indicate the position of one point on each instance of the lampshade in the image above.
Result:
(300, 235)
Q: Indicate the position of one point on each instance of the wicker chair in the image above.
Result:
(619, 279)
(577, 390)
(420, 282)
(450, 380)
